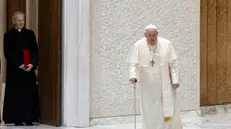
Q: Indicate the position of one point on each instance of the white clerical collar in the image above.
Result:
(19, 30)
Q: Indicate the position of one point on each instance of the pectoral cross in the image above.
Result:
(152, 63)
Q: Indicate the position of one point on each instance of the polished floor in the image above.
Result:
(191, 120)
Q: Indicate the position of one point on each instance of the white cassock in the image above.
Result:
(159, 107)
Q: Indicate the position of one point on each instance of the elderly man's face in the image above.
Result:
(151, 35)
(18, 21)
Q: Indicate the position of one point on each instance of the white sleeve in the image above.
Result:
(134, 71)
(174, 67)
(133, 59)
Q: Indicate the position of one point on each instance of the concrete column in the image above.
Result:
(3, 26)
(76, 69)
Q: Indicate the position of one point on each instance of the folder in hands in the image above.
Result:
(27, 57)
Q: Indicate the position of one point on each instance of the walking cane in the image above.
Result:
(135, 105)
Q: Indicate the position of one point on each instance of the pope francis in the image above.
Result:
(154, 67)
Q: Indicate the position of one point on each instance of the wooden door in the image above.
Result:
(215, 52)
(49, 77)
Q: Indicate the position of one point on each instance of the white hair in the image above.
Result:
(150, 26)
(17, 13)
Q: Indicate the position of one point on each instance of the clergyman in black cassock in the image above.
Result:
(21, 102)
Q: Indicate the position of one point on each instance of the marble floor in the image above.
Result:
(191, 120)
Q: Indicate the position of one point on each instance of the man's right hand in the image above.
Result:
(133, 80)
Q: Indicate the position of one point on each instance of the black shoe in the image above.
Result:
(18, 124)
(29, 124)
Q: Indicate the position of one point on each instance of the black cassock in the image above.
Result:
(21, 93)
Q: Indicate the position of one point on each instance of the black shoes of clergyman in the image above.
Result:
(26, 123)
(19, 124)
(29, 123)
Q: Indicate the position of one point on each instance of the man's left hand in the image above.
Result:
(30, 66)
(175, 86)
